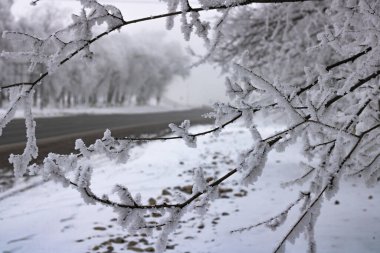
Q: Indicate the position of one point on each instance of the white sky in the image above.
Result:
(205, 85)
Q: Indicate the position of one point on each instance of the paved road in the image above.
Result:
(59, 134)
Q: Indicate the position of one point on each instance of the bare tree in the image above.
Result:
(331, 105)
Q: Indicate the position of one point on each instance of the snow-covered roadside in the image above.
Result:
(56, 112)
(50, 218)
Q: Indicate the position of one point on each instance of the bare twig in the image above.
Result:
(284, 212)
(353, 88)
(350, 59)
(311, 170)
(357, 114)
(179, 137)
(367, 166)
(320, 145)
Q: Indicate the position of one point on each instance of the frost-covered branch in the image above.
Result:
(334, 65)
(352, 89)
(235, 118)
(301, 179)
(277, 220)
(329, 187)
(61, 168)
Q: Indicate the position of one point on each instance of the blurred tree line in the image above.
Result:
(126, 71)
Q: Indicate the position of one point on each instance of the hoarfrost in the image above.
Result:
(183, 131)
(253, 162)
(171, 222)
(21, 162)
(200, 184)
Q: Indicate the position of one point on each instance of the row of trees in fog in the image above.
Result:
(125, 71)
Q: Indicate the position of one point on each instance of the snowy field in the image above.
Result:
(52, 219)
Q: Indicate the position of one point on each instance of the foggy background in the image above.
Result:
(204, 84)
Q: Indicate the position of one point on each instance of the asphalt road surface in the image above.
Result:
(58, 134)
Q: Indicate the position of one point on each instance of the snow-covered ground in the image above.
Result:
(52, 219)
(57, 112)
